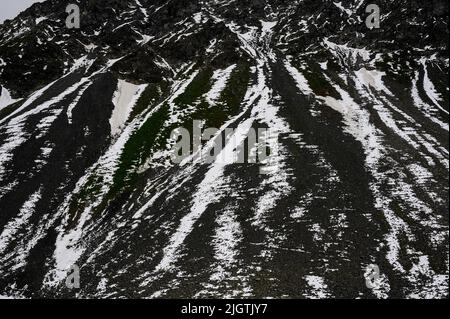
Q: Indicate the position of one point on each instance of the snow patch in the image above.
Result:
(319, 290)
(220, 79)
(357, 123)
(372, 78)
(198, 17)
(226, 241)
(39, 20)
(124, 99)
(68, 249)
(5, 98)
(429, 88)
(20, 222)
(340, 6)
(343, 52)
(299, 78)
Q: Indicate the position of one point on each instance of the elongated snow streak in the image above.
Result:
(208, 189)
(358, 125)
(266, 113)
(225, 243)
(105, 167)
(299, 78)
(429, 88)
(357, 121)
(124, 99)
(228, 235)
(12, 233)
(276, 177)
(27, 103)
(373, 80)
(75, 101)
(428, 111)
(319, 290)
(207, 193)
(13, 227)
(15, 133)
(220, 79)
(15, 128)
(436, 286)
(68, 250)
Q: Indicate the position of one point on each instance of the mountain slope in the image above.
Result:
(360, 176)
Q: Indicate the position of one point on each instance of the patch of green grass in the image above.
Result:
(154, 134)
(132, 151)
(151, 95)
(230, 100)
(228, 105)
(138, 149)
(200, 85)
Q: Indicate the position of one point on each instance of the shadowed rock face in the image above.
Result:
(360, 177)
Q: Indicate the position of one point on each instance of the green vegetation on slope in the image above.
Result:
(154, 134)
